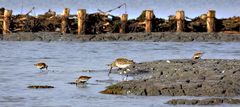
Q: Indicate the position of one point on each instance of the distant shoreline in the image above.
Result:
(150, 37)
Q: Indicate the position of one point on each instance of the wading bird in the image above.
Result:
(82, 79)
(120, 63)
(41, 66)
(197, 55)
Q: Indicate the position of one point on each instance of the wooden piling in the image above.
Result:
(64, 23)
(148, 20)
(81, 20)
(124, 19)
(6, 21)
(211, 21)
(180, 18)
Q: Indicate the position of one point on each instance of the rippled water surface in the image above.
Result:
(66, 60)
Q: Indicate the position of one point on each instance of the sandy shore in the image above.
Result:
(155, 37)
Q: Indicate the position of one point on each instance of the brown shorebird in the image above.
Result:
(82, 79)
(120, 63)
(41, 66)
(197, 55)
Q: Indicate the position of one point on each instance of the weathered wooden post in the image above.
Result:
(64, 23)
(148, 20)
(81, 20)
(211, 21)
(180, 18)
(124, 19)
(6, 21)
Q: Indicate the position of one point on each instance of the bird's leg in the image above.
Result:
(125, 77)
(81, 85)
(119, 69)
(110, 70)
(41, 69)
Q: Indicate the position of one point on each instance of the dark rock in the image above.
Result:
(231, 101)
(213, 101)
(40, 86)
(180, 77)
(209, 101)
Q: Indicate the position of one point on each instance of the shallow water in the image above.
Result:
(66, 60)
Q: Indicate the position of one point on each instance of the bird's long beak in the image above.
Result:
(110, 70)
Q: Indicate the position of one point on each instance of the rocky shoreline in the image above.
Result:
(154, 37)
(209, 101)
(182, 77)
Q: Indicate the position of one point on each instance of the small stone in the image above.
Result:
(187, 81)
(40, 86)
(168, 61)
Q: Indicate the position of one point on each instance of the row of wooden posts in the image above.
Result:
(81, 13)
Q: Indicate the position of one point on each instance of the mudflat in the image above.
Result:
(154, 37)
(182, 77)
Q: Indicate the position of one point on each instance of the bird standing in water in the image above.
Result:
(82, 79)
(197, 55)
(120, 63)
(41, 66)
